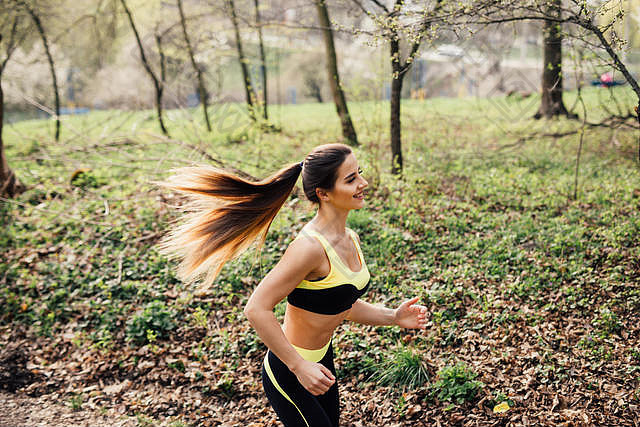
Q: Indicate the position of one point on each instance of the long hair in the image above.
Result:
(225, 214)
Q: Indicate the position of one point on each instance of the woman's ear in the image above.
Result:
(322, 194)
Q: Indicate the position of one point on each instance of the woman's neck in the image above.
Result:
(330, 221)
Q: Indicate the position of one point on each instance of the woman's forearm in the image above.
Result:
(270, 332)
(368, 314)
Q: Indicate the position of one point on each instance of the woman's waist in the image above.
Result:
(310, 331)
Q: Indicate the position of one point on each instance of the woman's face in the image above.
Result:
(347, 193)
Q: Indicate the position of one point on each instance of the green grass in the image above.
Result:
(481, 226)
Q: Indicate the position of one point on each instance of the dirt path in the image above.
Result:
(20, 410)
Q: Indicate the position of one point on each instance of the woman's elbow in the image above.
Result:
(250, 311)
(253, 311)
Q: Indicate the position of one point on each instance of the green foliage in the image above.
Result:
(606, 322)
(200, 318)
(456, 384)
(155, 321)
(76, 401)
(498, 398)
(144, 421)
(402, 368)
(84, 178)
(481, 228)
(225, 386)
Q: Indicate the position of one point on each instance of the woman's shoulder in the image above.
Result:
(305, 244)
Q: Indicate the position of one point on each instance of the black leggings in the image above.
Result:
(295, 406)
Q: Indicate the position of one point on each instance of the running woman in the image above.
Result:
(322, 273)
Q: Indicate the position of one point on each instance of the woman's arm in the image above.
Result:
(300, 258)
(408, 315)
(368, 314)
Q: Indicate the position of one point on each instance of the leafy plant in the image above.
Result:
(402, 368)
(456, 384)
(156, 320)
(607, 322)
(84, 178)
(225, 386)
(76, 402)
(200, 318)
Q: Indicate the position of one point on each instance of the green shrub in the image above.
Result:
(403, 368)
(155, 318)
(84, 178)
(456, 384)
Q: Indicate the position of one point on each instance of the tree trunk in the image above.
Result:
(202, 92)
(348, 132)
(248, 87)
(10, 186)
(552, 104)
(157, 84)
(396, 92)
(263, 64)
(45, 43)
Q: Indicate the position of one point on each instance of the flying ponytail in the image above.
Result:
(225, 214)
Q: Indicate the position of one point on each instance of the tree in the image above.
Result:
(577, 13)
(263, 63)
(552, 104)
(202, 92)
(246, 78)
(392, 27)
(158, 82)
(348, 130)
(35, 16)
(10, 186)
(593, 18)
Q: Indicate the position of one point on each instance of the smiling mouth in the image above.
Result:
(360, 195)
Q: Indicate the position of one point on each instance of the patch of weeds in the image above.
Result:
(401, 406)
(144, 421)
(178, 365)
(102, 340)
(200, 318)
(456, 384)
(449, 333)
(551, 372)
(85, 178)
(155, 318)
(498, 399)
(606, 323)
(595, 347)
(280, 309)
(507, 316)
(248, 343)
(225, 387)
(76, 402)
(403, 368)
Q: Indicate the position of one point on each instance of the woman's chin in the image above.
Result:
(359, 204)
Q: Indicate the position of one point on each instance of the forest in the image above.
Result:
(501, 145)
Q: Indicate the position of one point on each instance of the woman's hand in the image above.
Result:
(411, 315)
(315, 377)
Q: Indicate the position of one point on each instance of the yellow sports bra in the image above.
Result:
(337, 291)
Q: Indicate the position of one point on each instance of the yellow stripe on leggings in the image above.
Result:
(277, 386)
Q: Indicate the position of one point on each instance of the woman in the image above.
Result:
(322, 273)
